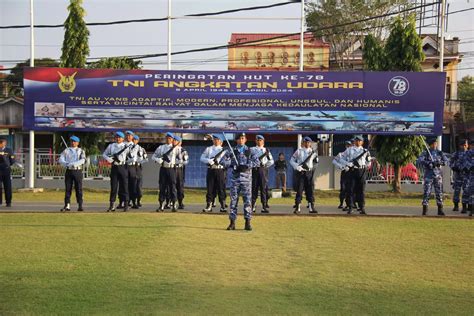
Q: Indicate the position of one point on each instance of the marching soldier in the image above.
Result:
(260, 174)
(469, 165)
(7, 159)
(73, 159)
(303, 162)
(344, 181)
(165, 156)
(116, 153)
(182, 159)
(356, 160)
(142, 158)
(432, 160)
(132, 161)
(460, 176)
(216, 173)
(241, 160)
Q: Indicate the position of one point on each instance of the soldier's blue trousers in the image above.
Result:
(435, 180)
(240, 184)
(461, 182)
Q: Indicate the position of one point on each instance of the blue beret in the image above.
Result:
(129, 133)
(358, 137)
(431, 140)
(348, 142)
(240, 135)
(75, 139)
(119, 134)
(218, 136)
(136, 137)
(169, 134)
(177, 138)
(260, 137)
(307, 139)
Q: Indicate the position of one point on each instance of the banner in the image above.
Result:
(214, 101)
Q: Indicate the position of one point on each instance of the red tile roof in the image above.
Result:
(240, 38)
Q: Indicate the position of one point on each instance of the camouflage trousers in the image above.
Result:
(240, 184)
(470, 190)
(460, 182)
(436, 181)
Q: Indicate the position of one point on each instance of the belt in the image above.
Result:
(168, 165)
(119, 164)
(132, 163)
(216, 167)
(74, 168)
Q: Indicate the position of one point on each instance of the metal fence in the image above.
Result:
(16, 171)
(378, 173)
(97, 168)
(48, 167)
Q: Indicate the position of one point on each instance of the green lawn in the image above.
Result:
(198, 196)
(188, 264)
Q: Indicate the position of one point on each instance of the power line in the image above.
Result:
(157, 19)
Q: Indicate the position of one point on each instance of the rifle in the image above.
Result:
(64, 142)
(355, 161)
(265, 154)
(217, 156)
(433, 164)
(304, 164)
(117, 154)
(165, 156)
(233, 153)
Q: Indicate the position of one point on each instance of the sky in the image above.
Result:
(145, 38)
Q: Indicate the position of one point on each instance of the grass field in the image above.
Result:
(198, 196)
(188, 264)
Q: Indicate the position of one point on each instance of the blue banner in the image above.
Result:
(212, 101)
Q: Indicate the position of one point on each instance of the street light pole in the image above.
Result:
(31, 160)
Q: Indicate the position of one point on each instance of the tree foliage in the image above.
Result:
(76, 37)
(116, 63)
(402, 52)
(333, 20)
(466, 95)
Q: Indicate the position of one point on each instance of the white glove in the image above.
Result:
(210, 162)
(350, 165)
(299, 168)
(346, 169)
(110, 160)
(159, 161)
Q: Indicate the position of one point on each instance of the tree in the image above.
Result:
(373, 54)
(333, 20)
(15, 78)
(466, 96)
(402, 52)
(116, 63)
(76, 37)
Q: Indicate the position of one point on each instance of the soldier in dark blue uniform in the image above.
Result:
(432, 160)
(469, 165)
(73, 159)
(7, 159)
(460, 176)
(241, 160)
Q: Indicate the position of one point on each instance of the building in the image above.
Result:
(276, 52)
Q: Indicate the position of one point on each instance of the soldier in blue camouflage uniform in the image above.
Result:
(469, 157)
(432, 161)
(241, 159)
(460, 176)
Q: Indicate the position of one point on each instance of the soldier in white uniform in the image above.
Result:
(182, 159)
(142, 158)
(73, 159)
(344, 176)
(165, 156)
(116, 153)
(304, 161)
(260, 173)
(356, 160)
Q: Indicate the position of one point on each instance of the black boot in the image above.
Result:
(312, 209)
(265, 210)
(231, 225)
(111, 207)
(425, 210)
(139, 202)
(66, 207)
(456, 207)
(120, 206)
(134, 205)
(297, 208)
(180, 205)
(247, 224)
(125, 206)
(167, 205)
(440, 210)
(160, 207)
(79, 208)
(349, 210)
(213, 203)
(253, 208)
(464, 208)
(223, 208)
(362, 211)
(340, 206)
(173, 206)
(471, 209)
(208, 207)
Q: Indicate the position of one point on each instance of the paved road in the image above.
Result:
(281, 210)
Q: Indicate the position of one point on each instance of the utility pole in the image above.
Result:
(441, 57)
(301, 61)
(31, 160)
(169, 35)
